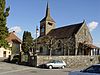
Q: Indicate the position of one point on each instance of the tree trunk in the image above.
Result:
(50, 52)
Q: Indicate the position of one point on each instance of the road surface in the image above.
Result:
(14, 69)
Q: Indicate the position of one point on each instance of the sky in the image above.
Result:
(25, 15)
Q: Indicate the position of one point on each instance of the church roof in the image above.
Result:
(13, 38)
(47, 16)
(47, 19)
(66, 31)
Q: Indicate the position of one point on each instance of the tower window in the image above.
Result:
(42, 29)
(85, 32)
(49, 23)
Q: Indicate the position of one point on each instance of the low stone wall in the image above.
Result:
(71, 61)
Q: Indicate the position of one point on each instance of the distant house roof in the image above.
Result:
(66, 31)
(13, 38)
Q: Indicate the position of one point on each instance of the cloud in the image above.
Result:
(97, 44)
(92, 25)
(17, 29)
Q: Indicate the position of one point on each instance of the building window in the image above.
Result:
(41, 49)
(4, 54)
(85, 32)
(50, 23)
(42, 29)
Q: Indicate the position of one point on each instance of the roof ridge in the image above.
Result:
(69, 25)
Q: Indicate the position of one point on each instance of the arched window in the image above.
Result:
(59, 43)
(41, 49)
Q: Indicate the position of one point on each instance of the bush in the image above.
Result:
(15, 59)
(99, 58)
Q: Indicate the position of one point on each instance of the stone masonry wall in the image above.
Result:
(71, 61)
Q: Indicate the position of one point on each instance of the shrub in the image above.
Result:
(99, 58)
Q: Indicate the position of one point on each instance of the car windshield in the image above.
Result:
(55, 61)
(52, 61)
(93, 69)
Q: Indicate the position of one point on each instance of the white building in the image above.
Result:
(15, 46)
(4, 52)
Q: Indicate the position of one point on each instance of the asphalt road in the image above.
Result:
(37, 72)
(13, 69)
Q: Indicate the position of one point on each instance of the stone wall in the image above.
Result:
(71, 61)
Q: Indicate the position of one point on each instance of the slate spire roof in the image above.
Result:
(66, 31)
(47, 16)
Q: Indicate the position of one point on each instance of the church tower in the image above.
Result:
(47, 23)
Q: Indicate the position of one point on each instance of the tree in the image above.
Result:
(48, 41)
(3, 28)
(27, 41)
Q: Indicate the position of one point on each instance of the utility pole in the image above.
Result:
(35, 52)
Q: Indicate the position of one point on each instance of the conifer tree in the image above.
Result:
(4, 13)
(27, 41)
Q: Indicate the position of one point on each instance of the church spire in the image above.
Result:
(47, 11)
(47, 23)
(47, 15)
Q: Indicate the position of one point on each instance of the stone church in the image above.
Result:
(72, 39)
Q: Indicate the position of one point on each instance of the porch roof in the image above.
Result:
(91, 46)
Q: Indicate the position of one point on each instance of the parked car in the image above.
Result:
(54, 64)
(92, 70)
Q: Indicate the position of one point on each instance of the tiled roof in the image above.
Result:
(13, 38)
(66, 31)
